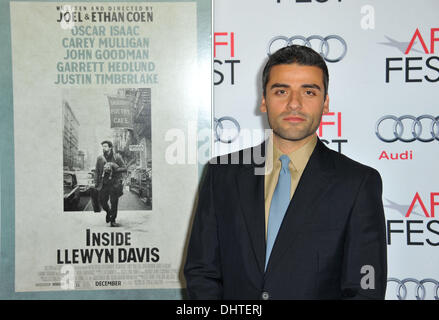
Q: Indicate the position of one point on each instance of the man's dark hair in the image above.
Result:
(110, 144)
(301, 55)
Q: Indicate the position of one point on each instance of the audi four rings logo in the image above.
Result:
(419, 290)
(337, 44)
(416, 127)
(232, 127)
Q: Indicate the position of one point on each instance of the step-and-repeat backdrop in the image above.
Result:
(383, 60)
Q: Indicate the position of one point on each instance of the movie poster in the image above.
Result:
(100, 91)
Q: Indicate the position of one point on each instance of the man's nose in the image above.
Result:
(294, 101)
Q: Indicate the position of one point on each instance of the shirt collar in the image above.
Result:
(299, 158)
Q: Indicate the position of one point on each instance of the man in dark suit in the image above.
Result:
(311, 226)
(108, 180)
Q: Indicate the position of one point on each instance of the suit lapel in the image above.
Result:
(251, 195)
(313, 184)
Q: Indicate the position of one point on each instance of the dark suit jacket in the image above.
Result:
(120, 167)
(333, 227)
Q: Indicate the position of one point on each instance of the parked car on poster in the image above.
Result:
(72, 194)
(85, 181)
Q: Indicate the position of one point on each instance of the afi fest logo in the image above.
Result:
(418, 225)
(224, 69)
(416, 67)
(331, 125)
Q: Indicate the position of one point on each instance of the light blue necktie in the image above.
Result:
(279, 205)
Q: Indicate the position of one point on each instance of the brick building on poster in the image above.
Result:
(70, 138)
(130, 113)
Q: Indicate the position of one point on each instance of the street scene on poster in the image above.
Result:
(124, 121)
(97, 88)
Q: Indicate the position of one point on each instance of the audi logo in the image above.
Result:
(220, 131)
(416, 128)
(419, 291)
(323, 49)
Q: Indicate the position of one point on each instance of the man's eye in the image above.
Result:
(280, 92)
(310, 93)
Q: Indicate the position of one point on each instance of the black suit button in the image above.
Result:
(265, 295)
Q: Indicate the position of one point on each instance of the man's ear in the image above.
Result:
(263, 106)
(326, 105)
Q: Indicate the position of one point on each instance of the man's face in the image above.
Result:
(106, 148)
(294, 101)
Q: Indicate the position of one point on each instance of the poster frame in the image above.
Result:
(7, 169)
